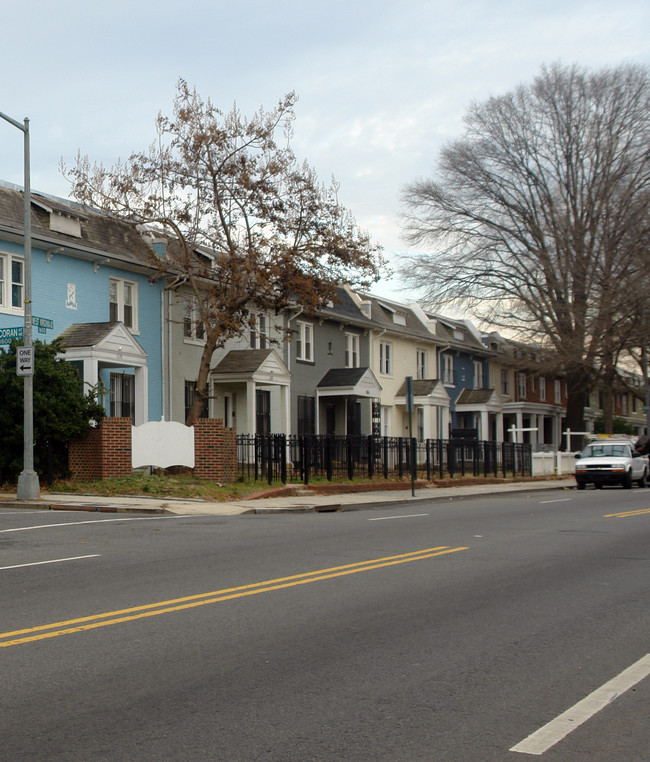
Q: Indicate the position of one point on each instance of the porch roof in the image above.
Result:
(353, 382)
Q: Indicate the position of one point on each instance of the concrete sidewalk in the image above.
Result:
(311, 503)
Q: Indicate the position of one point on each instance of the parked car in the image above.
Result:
(611, 462)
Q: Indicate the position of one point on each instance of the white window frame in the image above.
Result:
(505, 383)
(352, 359)
(120, 284)
(7, 283)
(542, 389)
(259, 332)
(193, 330)
(421, 363)
(558, 391)
(478, 374)
(448, 369)
(386, 358)
(521, 384)
(305, 342)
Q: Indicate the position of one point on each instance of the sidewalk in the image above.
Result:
(311, 503)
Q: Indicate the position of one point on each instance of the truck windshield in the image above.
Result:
(607, 450)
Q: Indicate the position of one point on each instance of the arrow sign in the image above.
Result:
(24, 361)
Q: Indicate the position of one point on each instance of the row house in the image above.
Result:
(91, 283)
(533, 403)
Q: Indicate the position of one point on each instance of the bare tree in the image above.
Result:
(251, 226)
(538, 217)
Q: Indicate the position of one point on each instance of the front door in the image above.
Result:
(262, 412)
(354, 417)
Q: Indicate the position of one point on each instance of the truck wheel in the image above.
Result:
(627, 480)
(642, 481)
(580, 485)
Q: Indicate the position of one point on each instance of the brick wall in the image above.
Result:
(106, 452)
(215, 451)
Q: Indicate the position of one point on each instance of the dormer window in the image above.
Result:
(61, 220)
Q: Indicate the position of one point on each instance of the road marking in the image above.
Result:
(53, 561)
(410, 516)
(216, 596)
(563, 500)
(548, 735)
(92, 521)
(626, 514)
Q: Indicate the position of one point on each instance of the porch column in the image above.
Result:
(286, 409)
(251, 422)
(485, 426)
(91, 372)
(141, 396)
(520, 425)
(499, 427)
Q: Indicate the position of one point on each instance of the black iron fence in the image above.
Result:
(281, 458)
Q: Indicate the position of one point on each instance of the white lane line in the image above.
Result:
(563, 500)
(548, 735)
(410, 516)
(53, 561)
(91, 521)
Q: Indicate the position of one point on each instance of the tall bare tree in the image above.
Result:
(537, 218)
(251, 226)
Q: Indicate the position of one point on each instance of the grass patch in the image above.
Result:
(179, 486)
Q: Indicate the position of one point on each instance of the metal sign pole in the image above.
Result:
(28, 485)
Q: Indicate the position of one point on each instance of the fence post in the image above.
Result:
(371, 457)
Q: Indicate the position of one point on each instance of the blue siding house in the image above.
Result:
(91, 284)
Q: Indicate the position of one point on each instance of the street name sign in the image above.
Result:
(24, 361)
(7, 335)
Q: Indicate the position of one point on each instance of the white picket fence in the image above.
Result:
(554, 463)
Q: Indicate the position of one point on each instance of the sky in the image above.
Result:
(381, 85)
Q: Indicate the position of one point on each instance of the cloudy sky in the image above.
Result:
(382, 85)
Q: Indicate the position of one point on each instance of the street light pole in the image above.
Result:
(28, 484)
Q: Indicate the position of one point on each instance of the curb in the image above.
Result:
(88, 507)
(357, 506)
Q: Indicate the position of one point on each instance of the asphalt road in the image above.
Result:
(445, 631)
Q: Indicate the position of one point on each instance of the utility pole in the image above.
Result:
(28, 484)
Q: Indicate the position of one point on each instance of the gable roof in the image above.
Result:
(360, 382)
(260, 365)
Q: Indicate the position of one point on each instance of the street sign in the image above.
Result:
(24, 361)
(7, 335)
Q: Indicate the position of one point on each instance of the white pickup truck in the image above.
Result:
(611, 461)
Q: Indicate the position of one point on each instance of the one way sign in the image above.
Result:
(24, 361)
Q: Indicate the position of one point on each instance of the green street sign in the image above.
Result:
(7, 335)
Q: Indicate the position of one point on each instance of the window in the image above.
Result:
(122, 396)
(478, 374)
(421, 363)
(521, 385)
(448, 369)
(123, 302)
(558, 392)
(505, 385)
(258, 334)
(542, 389)
(385, 358)
(12, 283)
(351, 350)
(305, 342)
(192, 323)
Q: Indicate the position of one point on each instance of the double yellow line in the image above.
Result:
(626, 514)
(54, 630)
